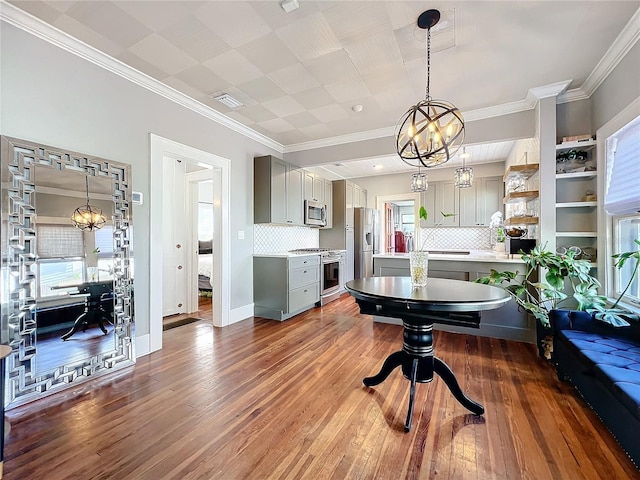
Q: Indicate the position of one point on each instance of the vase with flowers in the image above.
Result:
(419, 259)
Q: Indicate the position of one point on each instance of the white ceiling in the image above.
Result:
(300, 73)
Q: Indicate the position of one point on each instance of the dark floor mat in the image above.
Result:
(178, 323)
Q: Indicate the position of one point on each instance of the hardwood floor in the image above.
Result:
(262, 399)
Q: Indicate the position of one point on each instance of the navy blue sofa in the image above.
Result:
(603, 363)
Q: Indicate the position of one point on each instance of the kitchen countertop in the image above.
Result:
(285, 254)
(474, 256)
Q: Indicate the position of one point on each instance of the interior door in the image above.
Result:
(174, 238)
(389, 244)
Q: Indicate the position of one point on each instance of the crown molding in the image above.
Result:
(627, 38)
(341, 139)
(30, 24)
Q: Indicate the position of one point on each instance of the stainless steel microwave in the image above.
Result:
(315, 213)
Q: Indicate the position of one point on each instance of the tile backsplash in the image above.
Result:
(269, 238)
(460, 238)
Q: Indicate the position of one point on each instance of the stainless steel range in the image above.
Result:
(330, 274)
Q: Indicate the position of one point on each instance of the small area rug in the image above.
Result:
(179, 322)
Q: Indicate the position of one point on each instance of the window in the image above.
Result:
(622, 205)
(60, 251)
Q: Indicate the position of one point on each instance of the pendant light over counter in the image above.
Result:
(464, 175)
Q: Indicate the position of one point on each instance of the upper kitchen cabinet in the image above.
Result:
(319, 190)
(314, 187)
(278, 192)
(473, 205)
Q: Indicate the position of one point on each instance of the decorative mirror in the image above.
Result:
(67, 286)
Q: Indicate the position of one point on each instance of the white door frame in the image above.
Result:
(398, 197)
(160, 148)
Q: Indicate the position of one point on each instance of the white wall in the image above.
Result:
(53, 97)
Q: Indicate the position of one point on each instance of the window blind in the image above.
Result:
(104, 241)
(622, 192)
(59, 241)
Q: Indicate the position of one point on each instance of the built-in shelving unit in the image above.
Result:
(521, 221)
(520, 213)
(515, 197)
(526, 171)
(576, 203)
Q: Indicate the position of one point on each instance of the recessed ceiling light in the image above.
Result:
(357, 108)
(337, 164)
(378, 167)
(289, 5)
(228, 100)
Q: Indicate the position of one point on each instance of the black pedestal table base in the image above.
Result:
(418, 365)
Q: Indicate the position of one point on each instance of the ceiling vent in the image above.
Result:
(228, 100)
(289, 5)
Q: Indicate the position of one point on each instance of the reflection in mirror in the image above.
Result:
(66, 292)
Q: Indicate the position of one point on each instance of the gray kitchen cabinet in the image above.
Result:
(447, 201)
(474, 205)
(285, 286)
(277, 192)
(328, 201)
(349, 194)
(314, 187)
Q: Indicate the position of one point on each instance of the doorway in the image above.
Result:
(165, 150)
(401, 224)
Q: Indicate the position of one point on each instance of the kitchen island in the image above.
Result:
(505, 322)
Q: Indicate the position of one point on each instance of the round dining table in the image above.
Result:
(441, 301)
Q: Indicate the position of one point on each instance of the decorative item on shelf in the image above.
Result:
(589, 253)
(464, 175)
(497, 232)
(516, 184)
(577, 138)
(589, 196)
(88, 217)
(419, 259)
(516, 232)
(419, 182)
(431, 131)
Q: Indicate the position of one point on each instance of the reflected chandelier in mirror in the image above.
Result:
(30, 171)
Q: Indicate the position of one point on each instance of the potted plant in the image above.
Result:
(539, 297)
(419, 259)
(620, 317)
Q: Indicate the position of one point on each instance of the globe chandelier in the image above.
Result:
(88, 217)
(431, 131)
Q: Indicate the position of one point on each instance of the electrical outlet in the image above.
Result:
(240, 234)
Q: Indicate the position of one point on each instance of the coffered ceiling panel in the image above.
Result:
(299, 74)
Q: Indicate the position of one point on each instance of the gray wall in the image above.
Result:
(621, 87)
(53, 97)
(573, 118)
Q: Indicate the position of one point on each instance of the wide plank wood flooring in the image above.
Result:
(262, 399)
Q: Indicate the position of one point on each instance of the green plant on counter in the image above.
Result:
(424, 215)
(619, 317)
(539, 297)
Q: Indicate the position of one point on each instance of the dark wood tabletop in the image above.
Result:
(439, 295)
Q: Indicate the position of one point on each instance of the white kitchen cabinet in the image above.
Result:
(468, 205)
(447, 201)
(480, 201)
(277, 192)
(285, 286)
(349, 194)
(428, 201)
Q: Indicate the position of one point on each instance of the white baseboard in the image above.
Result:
(143, 345)
(241, 313)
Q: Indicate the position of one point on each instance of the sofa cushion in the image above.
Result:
(613, 360)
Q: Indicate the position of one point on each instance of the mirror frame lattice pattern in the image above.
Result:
(19, 161)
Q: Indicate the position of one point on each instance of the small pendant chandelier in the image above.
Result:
(431, 131)
(88, 217)
(419, 182)
(464, 175)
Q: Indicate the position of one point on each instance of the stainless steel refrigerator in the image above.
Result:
(366, 223)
